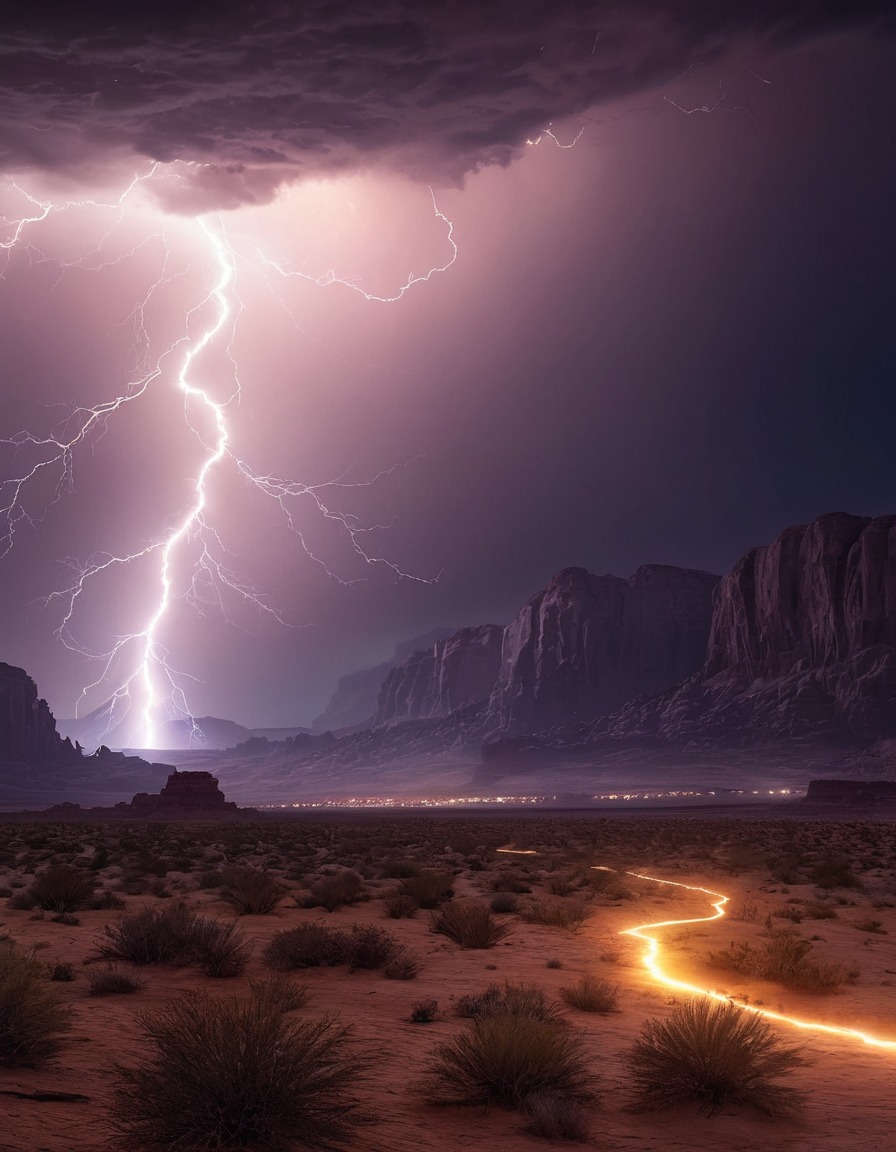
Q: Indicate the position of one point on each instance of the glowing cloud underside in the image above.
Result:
(136, 671)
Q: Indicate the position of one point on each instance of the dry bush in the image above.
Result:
(429, 888)
(783, 959)
(424, 1011)
(527, 1001)
(176, 936)
(508, 1059)
(400, 869)
(251, 891)
(715, 1054)
(556, 915)
(62, 888)
(590, 994)
(332, 892)
(113, 982)
(367, 946)
(555, 1117)
(399, 905)
(33, 1018)
(504, 902)
(239, 1073)
(834, 872)
(306, 946)
(404, 965)
(470, 925)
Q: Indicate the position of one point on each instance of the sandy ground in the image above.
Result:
(849, 1085)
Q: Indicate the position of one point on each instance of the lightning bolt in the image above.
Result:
(138, 664)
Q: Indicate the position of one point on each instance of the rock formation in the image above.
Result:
(27, 729)
(185, 793)
(450, 674)
(586, 644)
(802, 644)
(355, 700)
(858, 792)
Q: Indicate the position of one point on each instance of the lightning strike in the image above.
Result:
(192, 541)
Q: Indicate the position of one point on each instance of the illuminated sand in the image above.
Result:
(849, 1083)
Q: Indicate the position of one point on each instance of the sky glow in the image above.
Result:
(664, 333)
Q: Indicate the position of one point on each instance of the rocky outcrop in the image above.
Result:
(586, 644)
(802, 645)
(355, 700)
(27, 729)
(450, 674)
(184, 793)
(852, 792)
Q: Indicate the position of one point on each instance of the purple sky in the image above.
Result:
(661, 345)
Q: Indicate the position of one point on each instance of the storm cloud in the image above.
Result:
(251, 96)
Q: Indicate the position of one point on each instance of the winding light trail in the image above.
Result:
(651, 961)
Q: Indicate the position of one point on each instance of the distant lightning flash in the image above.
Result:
(148, 673)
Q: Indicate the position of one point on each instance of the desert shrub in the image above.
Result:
(590, 994)
(239, 1073)
(22, 902)
(510, 882)
(112, 982)
(61, 972)
(527, 1001)
(211, 879)
(404, 965)
(367, 946)
(400, 869)
(504, 902)
(103, 901)
(424, 1011)
(817, 910)
(399, 905)
(306, 946)
(429, 888)
(33, 1018)
(67, 918)
(564, 884)
(470, 925)
(554, 1116)
(175, 936)
(62, 888)
(556, 915)
(715, 1054)
(554, 962)
(219, 949)
(834, 872)
(251, 891)
(507, 1059)
(782, 958)
(331, 892)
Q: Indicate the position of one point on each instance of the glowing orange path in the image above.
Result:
(651, 960)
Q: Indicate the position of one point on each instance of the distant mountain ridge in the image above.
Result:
(355, 700)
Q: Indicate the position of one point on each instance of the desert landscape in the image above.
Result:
(551, 899)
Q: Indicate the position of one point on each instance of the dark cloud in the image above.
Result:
(260, 93)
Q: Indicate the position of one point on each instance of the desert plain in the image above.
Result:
(559, 888)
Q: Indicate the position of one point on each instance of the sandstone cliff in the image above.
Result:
(802, 644)
(27, 729)
(450, 674)
(586, 644)
(355, 698)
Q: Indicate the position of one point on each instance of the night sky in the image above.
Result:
(663, 344)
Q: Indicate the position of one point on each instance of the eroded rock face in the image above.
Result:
(355, 700)
(803, 643)
(185, 792)
(587, 644)
(27, 728)
(451, 674)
